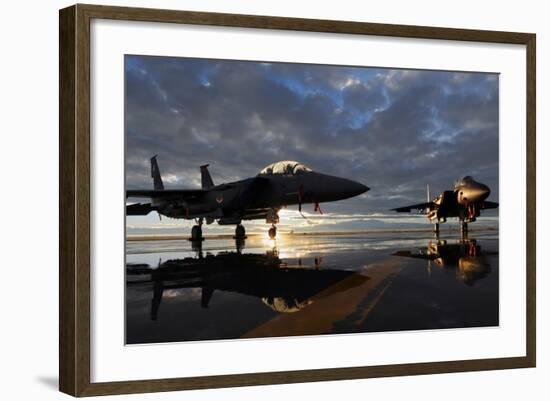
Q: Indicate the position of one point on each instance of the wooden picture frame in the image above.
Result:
(74, 202)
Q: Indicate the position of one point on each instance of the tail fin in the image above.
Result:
(206, 180)
(155, 174)
(428, 193)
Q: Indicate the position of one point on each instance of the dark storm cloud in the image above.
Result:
(394, 130)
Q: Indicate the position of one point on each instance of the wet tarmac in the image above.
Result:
(309, 285)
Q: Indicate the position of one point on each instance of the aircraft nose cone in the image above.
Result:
(361, 188)
(483, 191)
(478, 192)
(328, 188)
(353, 188)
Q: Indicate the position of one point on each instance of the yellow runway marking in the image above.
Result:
(335, 303)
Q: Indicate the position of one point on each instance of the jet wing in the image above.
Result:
(164, 193)
(250, 189)
(240, 206)
(139, 209)
(489, 205)
(418, 206)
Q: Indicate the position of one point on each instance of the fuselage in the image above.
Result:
(233, 201)
(308, 187)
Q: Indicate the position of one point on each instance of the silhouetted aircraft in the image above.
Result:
(465, 201)
(283, 288)
(465, 256)
(260, 197)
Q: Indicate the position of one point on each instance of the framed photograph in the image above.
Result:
(250, 200)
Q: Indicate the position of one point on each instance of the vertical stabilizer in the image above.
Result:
(206, 180)
(428, 193)
(155, 174)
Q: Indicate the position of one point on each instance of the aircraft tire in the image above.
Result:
(240, 232)
(196, 233)
(272, 232)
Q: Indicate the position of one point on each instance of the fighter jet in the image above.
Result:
(465, 202)
(261, 197)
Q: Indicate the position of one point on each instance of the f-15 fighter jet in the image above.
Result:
(465, 201)
(260, 197)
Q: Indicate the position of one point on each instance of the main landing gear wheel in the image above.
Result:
(240, 232)
(272, 232)
(196, 234)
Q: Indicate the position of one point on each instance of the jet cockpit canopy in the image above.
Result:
(463, 181)
(286, 167)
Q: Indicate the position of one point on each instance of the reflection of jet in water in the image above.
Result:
(465, 256)
(465, 202)
(260, 197)
(281, 287)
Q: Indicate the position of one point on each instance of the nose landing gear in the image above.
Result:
(273, 218)
(464, 229)
(272, 232)
(436, 229)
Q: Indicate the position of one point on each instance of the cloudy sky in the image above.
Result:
(393, 130)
